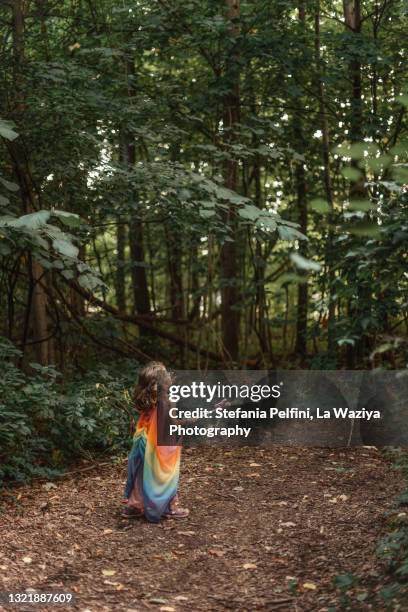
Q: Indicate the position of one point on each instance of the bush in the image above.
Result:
(44, 425)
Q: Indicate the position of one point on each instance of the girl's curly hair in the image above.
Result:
(152, 375)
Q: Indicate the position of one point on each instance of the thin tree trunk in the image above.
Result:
(195, 283)
(39, 316)
(141, 299)
(174, 263)
(120, 265)
(230, 314)
(329, 250)
(259, 268)
(175, 257)
(302, 288)
(353, 21)
(301, 189)
(258, 312)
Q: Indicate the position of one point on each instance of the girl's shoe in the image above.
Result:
(177, 513)
(129, 512)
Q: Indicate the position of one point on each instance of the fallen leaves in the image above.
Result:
(97, 557)
(158, 600)
(341, 498)
(216, 552)
(49, 485)
(118, 585)
(310, 586)
(27, 560)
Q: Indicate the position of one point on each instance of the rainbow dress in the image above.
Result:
(153, 470)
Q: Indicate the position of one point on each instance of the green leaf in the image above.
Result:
(65, 247)
(303, 263)
(320, 205)
(266, 222)
(290, 277)
(400, 149)
(206, 214)
(6, 220)
(5, 248)
(68, 218)
(356, 150)
(400, 174)
(6, 130)
(344, 581)
(40, 241)
(362, 596)
(363, 205)
(250, 212)
(342, 341)
(33, 221)
(68, 274)
(89, 281)
(184, 194)
(376, 164)
(402, 99)
(403, 498)
(290, 234)
(364, 229)
(9, 185)
(351, 174)
(227, 194)
(208, 203)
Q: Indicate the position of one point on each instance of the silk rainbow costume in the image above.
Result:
(153, 470)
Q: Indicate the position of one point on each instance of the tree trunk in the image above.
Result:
(302, 288)
(141, 299)
(353, 21)
(39, 319)
(194, 283)
(174, 262)
(259, 270)
(38, 316)
(329, 250)
(230, 315)
(120, 284)
(140, 287)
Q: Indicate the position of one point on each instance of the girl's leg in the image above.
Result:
(175, 511)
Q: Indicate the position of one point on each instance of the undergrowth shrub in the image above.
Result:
(393, 548)
(46, 424)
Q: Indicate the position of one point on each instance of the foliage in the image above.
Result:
(45, 425)
(393, 548)
(114, 133)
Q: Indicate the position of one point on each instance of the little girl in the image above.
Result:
(153, 470)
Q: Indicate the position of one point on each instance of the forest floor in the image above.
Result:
(269, 529)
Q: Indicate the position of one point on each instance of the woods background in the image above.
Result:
(214, 184)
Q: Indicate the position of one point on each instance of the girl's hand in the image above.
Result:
(222, 404)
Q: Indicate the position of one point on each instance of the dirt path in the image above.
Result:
(259, 520)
